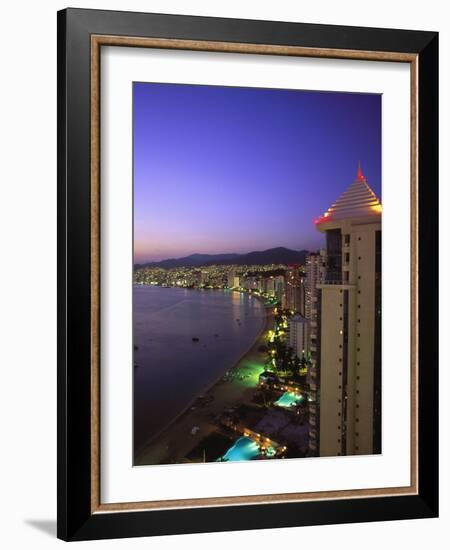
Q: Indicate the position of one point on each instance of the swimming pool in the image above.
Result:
(289, 399)
(244, 448)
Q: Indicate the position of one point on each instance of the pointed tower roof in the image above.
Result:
(358, 201)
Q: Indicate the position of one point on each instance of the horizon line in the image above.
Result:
(237, 254)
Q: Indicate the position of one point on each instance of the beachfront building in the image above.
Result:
(298, 335)
(279, 287)
(350, 324)
(204, 277)
(233, 279)
(269, 285)
(253, 282)
(315, 268)
(294, 297)
(274, 286)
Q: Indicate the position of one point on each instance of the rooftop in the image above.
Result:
(357, 201)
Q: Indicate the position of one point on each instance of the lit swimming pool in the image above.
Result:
(244, 448)
(289, 399)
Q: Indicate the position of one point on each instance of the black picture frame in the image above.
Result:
(75, 518)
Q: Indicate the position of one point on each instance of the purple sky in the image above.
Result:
(220, 169)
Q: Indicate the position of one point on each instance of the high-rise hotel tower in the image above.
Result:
(349, 358)
(295, 290)
(314, 276)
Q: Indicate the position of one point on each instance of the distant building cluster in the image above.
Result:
(264, 279)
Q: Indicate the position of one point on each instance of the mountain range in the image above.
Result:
(279, 255)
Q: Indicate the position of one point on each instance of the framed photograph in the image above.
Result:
(247, 274)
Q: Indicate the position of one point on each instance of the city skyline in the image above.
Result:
(233, 170)
(310, 385)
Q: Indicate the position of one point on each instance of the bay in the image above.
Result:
(170, 369)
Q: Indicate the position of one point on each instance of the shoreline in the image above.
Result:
(225, 392)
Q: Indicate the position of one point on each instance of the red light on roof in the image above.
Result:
(321, 219)
(360, 175)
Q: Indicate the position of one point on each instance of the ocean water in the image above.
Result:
(171, 369)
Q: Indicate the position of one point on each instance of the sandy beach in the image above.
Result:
(233, 388)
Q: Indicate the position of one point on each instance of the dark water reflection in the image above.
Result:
(172, 369)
